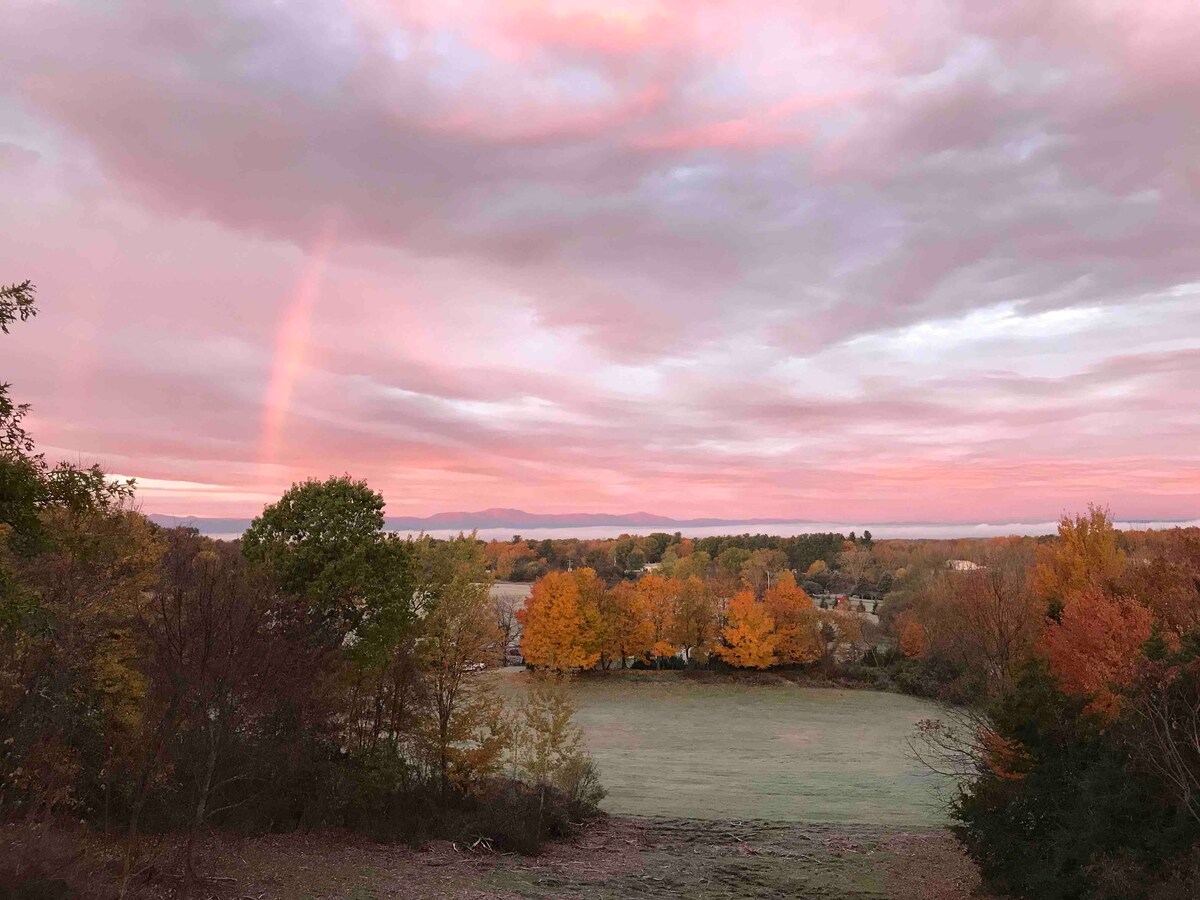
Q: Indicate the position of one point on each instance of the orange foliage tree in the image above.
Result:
(914, 642)
(749, 635)
(558, 633)
(504, 557)
(1096, 647)
(795, 618)
(658, 595)
(622, 629)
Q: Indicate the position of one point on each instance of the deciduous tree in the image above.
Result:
(555, 632)
(914, 642)
(749, 634)
(694, 622)
(1096, 647)
(795, 620)
(1084, 559)
(658, 597)
(464, 728)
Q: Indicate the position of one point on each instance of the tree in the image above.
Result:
(749, 635)
(72, 675)
(548, 746)
(654, 544)
(22, 471)
(795, 620)
(623, 627)
(1096, 647)
(855, 565)
(322, 540)
(762, 567)
(16, 303)
(504, 611)
(1164, 706)
(509, 561)
(694, 620)
(463, 728)
(914, 642)
(658, 596)
(1085, 558)
(731, 560)
(624, 546)
(216, 659)
(838, 630)
(695, 565)
(998, 620)
(591, 598)
(555, 633)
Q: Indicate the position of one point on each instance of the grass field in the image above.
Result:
(679, 748)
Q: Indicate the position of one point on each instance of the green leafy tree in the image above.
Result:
(22, 471)
(324, 541)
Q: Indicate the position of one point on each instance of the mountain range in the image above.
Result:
(488, 518)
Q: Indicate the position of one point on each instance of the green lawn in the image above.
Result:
(784, 753)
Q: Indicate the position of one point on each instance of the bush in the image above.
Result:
(512, 815)
(1078, 820)
(665, 662)
(580, 780)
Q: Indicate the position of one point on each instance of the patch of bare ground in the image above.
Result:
(614, 858)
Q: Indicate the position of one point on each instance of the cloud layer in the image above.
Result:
(759, 258)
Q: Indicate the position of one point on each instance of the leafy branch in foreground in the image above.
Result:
(16, 303)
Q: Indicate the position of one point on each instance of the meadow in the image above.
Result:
(674, 747)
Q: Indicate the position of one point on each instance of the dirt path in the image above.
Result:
(618, 858)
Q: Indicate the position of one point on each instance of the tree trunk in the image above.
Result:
(189, 870)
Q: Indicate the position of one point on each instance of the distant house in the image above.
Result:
(962, 565)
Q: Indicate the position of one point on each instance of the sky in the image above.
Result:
(869, 261)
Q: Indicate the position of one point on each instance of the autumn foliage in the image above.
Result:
(1095, 648)
(559, 629)
(572, 622)
(914, 642)
(795, 621)
(1092, 718)
(750, 641)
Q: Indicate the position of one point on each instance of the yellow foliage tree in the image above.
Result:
(556, 632)
(1085, 558)
(749, 635)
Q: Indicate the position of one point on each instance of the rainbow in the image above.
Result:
(291, 344)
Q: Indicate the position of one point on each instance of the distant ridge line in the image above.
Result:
(518, 520)
(490, 518)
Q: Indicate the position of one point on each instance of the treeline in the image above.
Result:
(626, 556)
(319, 673)
(573, 621)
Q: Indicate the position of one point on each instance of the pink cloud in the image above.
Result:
(763, 258)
